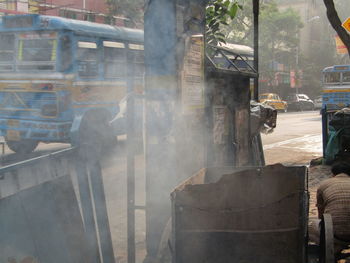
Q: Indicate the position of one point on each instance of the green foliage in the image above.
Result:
(278, 37)
(279, 29)
(241, 29)
(218, 14)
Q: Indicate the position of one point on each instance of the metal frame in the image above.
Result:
(219, 50)
(326, 240)
(324, 130)
(91, 192)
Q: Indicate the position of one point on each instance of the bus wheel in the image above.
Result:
(22, 146)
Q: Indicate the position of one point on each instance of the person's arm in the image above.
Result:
(319, 203)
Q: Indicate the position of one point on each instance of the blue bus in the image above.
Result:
(61, 77)
(336, 87)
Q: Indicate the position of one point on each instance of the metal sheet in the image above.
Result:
(254, 215)
(43, 224)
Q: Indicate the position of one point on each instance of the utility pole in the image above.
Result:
(296, 75)
(256, 47)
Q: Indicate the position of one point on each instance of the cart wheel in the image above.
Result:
(326, 240)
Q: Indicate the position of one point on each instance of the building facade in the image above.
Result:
(88, 10)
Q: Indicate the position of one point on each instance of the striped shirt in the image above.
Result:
(333, 197)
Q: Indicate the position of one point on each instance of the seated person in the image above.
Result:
(333, 197)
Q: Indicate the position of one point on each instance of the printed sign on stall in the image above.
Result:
(193, 74)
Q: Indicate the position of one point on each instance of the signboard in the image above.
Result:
(193, 74)
(346, 24)
(292, 79)
(221, 124)
(340, 46)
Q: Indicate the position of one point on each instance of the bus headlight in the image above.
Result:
(49, 110)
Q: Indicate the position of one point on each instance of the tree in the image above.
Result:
(132, 10)
(279, 34)
(336, 23)
(279, 40)
(218, 14)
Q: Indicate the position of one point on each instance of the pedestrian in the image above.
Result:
(333, 197)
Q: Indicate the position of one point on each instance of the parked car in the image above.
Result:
(300, 102)
(318, 102)
(274, 101)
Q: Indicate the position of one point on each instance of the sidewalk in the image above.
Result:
(317, 174)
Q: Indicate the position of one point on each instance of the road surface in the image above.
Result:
(297, 139)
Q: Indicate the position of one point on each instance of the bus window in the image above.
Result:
(346, 76)
(114, 59)
(37, 51)
(332, 77)
(87, 57)
(137, 57)
(66, 50)
(33, 50)
(7, 47)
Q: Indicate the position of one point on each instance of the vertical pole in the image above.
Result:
(161, 93)
(130, 162)
(256, 8)
(296, 69)
(101, 211)
(324, 131)
(256, 47)
(87, 209)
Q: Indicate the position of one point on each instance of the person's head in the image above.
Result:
(341, 167)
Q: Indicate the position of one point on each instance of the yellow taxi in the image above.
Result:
(274, 101)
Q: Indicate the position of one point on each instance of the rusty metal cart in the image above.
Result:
(243, 215)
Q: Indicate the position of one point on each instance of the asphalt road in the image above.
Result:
(297, 139)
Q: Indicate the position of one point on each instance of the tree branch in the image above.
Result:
(336, 23)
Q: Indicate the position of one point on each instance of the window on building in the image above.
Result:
(67, 14)
(89, 17)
